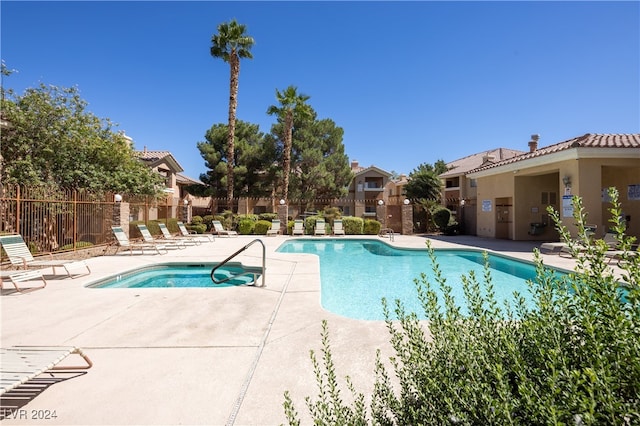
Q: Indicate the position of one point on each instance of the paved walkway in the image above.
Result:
(199, 356)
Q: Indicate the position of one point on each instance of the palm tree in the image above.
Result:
(292, 104)
(231, 43)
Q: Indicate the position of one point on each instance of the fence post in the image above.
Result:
(407, 218)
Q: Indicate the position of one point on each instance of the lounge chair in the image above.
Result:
(167, 235)
(275, 228)
(337, 227)
(195, 236)
(320, 228)
(123, 241)
(563, 248)
(219, 229)
(298, 227)
(21, 257)
(23, 363)
(21, 276)
(622, 255)
(148, 238)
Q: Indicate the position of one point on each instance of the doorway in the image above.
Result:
(504, 218)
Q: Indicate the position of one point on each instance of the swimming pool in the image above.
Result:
(181, 275)
(356, 274)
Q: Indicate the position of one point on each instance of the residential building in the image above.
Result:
(513, 194)
(459, 194)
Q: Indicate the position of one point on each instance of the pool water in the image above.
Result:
(357, 274)
(178, 276)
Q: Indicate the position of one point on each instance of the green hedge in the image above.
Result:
(371, 227)
(261, 227)
(353, 225)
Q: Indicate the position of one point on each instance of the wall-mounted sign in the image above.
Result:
(567, 206)
(486, 205)
(633, 192)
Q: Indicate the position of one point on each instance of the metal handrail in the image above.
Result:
(264, 256)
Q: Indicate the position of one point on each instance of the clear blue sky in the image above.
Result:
(409, 82)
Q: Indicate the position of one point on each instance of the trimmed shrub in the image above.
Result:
(441, 217)
(267, 216)
(371, 227)
(353, 225)
(208, 220)
(172, 225)
(196, 220)
(246, 226)
(261, 227)
(199, 229)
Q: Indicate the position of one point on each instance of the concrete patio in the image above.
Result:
(199, 355)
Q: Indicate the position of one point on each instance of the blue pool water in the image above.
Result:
(176, 276)
(357, 274)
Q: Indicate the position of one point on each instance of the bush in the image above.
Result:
(267, 216)
(441, 218)
(208, 221)
(371, 227)
(199, 229)
(246, 226)
(261, 227)
(353, 225)
(196, 220)
(574, 358)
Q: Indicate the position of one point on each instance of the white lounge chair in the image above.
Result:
(195, 236)
(21, 276)
(219, 229)
(20, 257)
(148, 238)
(23, 363)
(298, 227)
(275, 228)
(123, 241)
(337, 227)
(320, 228)
(167, 235)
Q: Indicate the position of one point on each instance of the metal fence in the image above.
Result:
(53, 220)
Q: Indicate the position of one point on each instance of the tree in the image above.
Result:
(253, 165)
(231, 44)
(292, 104)
(319, 165)
(423, 185)
(50, 138)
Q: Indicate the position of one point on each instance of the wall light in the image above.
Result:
(282, 202)
(117, 198)
(380, 202)
(406, 201)
(567, 181)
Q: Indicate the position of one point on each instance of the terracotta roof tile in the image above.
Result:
(585, 141)
(151, 155)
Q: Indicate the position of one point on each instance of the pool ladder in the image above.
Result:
(264, 256)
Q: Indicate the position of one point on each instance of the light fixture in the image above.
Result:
(117, 198)
(282, 202)
(406, 201)
(567, 181)
(380, 202)
(186, 201)
(462, 202)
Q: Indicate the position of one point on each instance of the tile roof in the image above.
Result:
(474, 161)
(151, 155)
(629, 141)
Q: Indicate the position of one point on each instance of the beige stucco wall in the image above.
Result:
(526, 186)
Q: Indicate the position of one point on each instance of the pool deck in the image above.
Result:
(219, 356)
